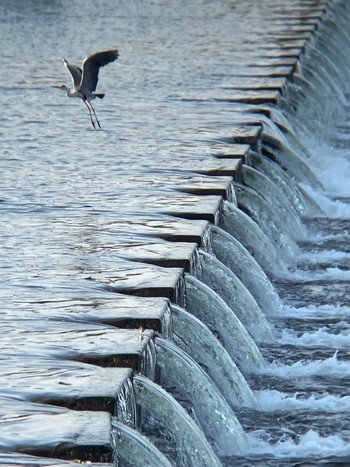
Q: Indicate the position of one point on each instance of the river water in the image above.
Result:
(62, 181)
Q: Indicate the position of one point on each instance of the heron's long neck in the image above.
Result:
(73, 92)
(69, 92)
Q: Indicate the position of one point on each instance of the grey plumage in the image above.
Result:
(85, 79)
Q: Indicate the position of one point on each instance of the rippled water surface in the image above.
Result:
(60, 179)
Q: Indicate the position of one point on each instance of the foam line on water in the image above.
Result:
(321, 237)
(320, 256)
(320, 338)
(271, 401)
(316, 312)
(329, 274)
(309, 445)
(328, 368)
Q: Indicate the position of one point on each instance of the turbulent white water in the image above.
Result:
(320, 338)
(329, 274)
(271, 401)
(329, 368)
(333, 208)
(308, 445)
(324, 256)
(332, 165)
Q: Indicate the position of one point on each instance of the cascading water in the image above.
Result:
(207, 306)
(186, 444)
(302, 393)
(167, 323)
(257, 208)
(222, 281)
(242, 228)
(273, 196)
(233, 255)
(291, 161)
(134, 450)
(126, 406)
(148, 360)
(182, 377)
(195, 338)
(304, 205)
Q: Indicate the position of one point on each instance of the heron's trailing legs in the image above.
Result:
(92, 120)
(89, 106)
(98, 123)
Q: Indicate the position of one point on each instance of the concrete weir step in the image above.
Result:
(174, 204)
(259, 83)
(74, 385)
(126, 312)
(177, 255)
(11, 459)
(200, 165)
(195, 184)
(145, 280)
(252, 96)
(47, 431)
(98, 344)
(233, 151)
(248, 134)
(164, 227)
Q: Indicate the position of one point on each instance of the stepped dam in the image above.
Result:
(175, 287)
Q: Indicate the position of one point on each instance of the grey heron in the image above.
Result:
(85, 79)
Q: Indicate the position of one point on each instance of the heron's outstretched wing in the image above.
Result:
(91, 67)
(75, 73)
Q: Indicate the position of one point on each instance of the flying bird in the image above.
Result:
(85, 79)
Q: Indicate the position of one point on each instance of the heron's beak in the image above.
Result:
(56, 86)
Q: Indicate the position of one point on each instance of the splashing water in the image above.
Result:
(310, 445)
(329, 368)
(271, 401)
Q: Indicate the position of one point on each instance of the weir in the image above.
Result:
(183, 299)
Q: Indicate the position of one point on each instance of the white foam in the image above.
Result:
(316, 312)
(329, 368)
(329, 274)
(309, 445)
(323, 256)
(320, 237)
(332, 208)
(320, 338)
(330, 165)
(270, 401)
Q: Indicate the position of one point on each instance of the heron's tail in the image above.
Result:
(100, 96)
